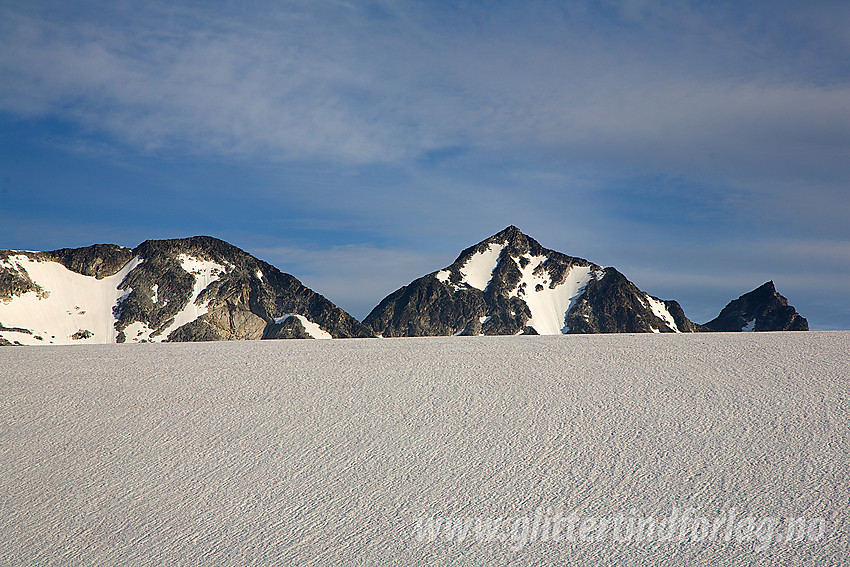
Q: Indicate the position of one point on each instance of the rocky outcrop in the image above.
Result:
(509, 284)
(14, 281)
(98, 260)
(289, 328)
(762, 309)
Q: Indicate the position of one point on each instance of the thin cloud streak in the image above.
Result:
(624, 132)
(368, 91)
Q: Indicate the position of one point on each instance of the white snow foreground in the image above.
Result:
(342, 452)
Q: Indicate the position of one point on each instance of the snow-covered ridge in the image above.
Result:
(72, 308)
(189, 289)
(548, 303)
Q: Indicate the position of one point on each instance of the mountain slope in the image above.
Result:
(762, 309)
(509, 284)
(190, 289)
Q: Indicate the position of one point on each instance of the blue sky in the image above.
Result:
(701, 148)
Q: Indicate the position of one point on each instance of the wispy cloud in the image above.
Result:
(340, 81)
(615, 130)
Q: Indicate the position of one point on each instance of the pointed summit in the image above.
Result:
(762, 309)
(509, 234)
(509, 284)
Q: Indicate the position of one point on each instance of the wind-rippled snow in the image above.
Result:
(327, 452)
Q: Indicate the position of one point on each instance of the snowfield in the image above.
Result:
(71, 303)
(357, 452)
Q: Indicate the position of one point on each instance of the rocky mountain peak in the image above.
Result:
(762, 309)
(509, 284)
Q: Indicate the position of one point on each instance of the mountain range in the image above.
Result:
(202, 289)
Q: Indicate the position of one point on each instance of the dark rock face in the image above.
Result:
(426, 307)
(14, 282)
(195, 331)
(98, 260)
(451, 301)
(612, 305)
(762, 309)
(289, 328)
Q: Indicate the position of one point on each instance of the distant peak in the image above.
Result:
(510, 235)
(510, 231)
(765, 289)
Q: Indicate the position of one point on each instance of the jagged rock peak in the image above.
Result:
(509, 284)
(514, 241)
(763, 309)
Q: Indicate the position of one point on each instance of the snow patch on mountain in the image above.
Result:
(73, 308)
(312, 328)
(478, 269)
(205, 272)
(549, 305)
(138, 332)
(660, 310)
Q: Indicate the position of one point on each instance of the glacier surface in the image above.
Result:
(302, 452)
